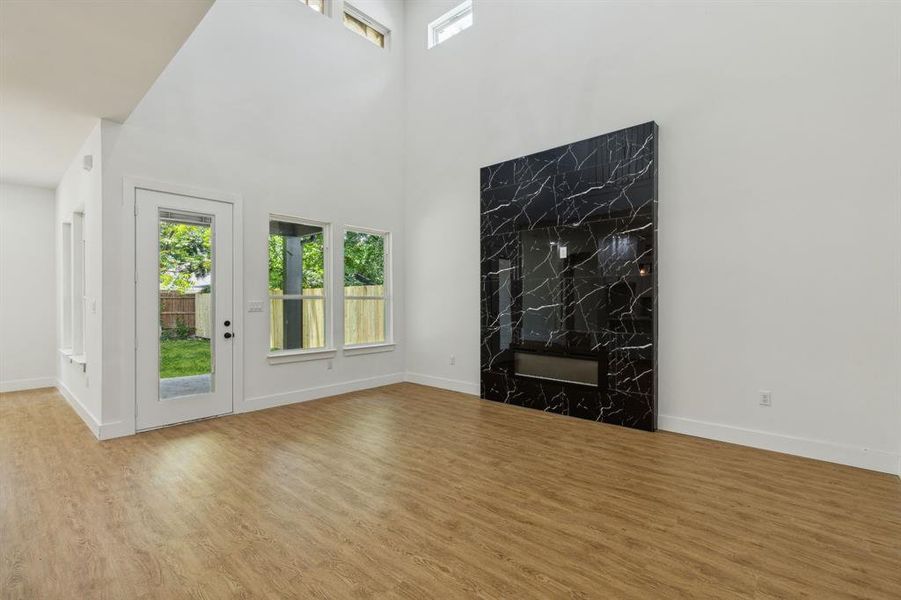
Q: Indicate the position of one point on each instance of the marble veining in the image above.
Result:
(569, 279)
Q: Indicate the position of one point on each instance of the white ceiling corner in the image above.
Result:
(64, 64)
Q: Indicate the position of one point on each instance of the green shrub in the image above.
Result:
(182, 331)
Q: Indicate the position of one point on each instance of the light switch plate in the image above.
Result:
(254, 306)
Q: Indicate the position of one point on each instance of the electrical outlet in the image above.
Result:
(453, 360)
(766, 398)
(329, 365)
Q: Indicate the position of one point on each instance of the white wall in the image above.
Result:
(779, 186)
(779, 197)
(80, 190)
(27, 288)
(297, 115)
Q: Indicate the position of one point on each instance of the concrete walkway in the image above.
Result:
(191, 385)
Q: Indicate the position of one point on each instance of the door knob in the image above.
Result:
(227, 323)
(228, 335)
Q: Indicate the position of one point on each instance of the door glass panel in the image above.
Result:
(185, 302)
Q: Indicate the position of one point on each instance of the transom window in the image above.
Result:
(298, 284)
(317, 5)
(450, 23)
(366, 288)
(365, 26)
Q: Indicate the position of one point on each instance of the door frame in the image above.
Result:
(131, 185)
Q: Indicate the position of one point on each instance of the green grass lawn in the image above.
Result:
(179, 358)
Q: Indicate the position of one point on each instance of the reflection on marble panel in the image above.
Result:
(568, 279)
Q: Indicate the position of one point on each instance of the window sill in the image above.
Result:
(367, 349)
(290, 356)
(76, 359)
(66, 351)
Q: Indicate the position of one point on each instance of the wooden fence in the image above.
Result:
(364, 318)
(203, 315)
(191, 310)
(176, 308)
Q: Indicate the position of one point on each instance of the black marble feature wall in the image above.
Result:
(568, 279)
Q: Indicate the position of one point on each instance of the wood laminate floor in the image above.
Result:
(412, 492)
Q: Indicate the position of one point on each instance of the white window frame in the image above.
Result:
(303, 354)
(356, 13)
(388, 296)
(78, 288)
(66, 247)
(448, 18)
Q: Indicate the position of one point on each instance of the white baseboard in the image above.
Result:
(323, 391)
(865, 458)
(456, 385)
(855, 456)
(79, 408)
(17, 385)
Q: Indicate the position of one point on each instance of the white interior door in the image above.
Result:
(184, 308)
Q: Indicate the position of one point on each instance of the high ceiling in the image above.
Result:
(65, 63)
